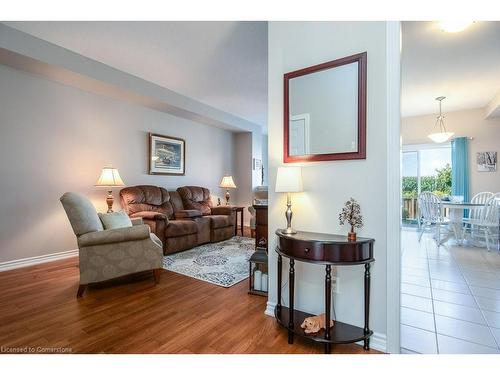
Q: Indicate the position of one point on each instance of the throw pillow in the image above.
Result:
(115, 220)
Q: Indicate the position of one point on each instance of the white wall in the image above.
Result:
(467, 123)
(55, 138)
(327, 185)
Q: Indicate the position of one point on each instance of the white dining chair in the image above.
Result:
(479, 198)
(431, 214)
(487, 226)
(475, 212)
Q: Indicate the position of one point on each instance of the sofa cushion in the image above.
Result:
(149, 215)
(176, 228)
(81, 213)
(187, 214)
(114, 220)
(196, 198)
(220, 221)
(146, 198)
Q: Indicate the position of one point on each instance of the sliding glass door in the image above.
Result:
(424, 168)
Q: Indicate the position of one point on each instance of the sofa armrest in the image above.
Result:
(150, 215)
(222, 210)
(136, 221)
(103, 237)
(186, 214)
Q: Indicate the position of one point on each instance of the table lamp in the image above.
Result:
(289, 180)
(227, 183)
(109, 178)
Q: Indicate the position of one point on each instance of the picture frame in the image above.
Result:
(167, 155)
(296, 124)
(486, 161)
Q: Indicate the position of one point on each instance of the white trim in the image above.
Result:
(378, 341)
(26, 262)
(393, 232)
(270, 308)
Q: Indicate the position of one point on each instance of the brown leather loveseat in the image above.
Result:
(182, 219)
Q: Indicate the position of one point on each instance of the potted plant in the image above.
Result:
(351, 214)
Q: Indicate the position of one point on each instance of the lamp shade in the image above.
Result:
(227, 182)
(109, 177)
(289, 180)
(440, 137)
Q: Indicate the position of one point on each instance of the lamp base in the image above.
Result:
(227, 197)
(288, 231)
(109, 201)
(288, 215)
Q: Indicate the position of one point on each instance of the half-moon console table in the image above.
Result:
(328, 250)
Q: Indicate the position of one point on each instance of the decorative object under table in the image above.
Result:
(328, 250)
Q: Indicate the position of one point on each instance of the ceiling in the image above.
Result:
(463, 66)
(222, 64)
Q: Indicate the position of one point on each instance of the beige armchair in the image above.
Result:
(107, 254)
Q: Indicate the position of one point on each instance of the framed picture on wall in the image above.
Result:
(167, 155)
(486, 161)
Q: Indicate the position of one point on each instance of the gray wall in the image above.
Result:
(55, 138)
(467, 123)
(327, 185)
(243, 195)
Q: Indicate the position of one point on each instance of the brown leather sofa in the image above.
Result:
(182, 219)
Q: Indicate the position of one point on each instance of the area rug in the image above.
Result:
(223, 263)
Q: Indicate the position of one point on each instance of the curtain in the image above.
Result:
(460, 167)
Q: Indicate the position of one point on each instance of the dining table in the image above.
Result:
(456, 214)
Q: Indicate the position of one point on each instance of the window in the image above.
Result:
(424, 168)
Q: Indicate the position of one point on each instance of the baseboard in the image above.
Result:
(26, 262)
(378, 341)
(270, 308)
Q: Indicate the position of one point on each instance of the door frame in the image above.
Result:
(306, 118)
(393, 224)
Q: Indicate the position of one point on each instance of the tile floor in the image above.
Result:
(450, 297)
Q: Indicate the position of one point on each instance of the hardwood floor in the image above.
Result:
(39, 309)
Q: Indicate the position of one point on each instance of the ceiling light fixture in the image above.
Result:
(442, 135)
(454, 26)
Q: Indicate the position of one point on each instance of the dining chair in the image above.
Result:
(479, 198)
(475, 212)
(431, 214)
(487, 226)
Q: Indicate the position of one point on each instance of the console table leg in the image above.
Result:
(280, 270)
(328, 303)
(366, 345)
(291, 291)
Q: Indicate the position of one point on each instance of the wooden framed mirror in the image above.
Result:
(325, 111)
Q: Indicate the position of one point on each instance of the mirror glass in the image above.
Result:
(323, 111)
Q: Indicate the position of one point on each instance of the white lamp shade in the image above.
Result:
(109, 177)
(227, 182)
(289, 180)
(440, 137)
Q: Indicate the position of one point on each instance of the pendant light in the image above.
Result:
(441, 135)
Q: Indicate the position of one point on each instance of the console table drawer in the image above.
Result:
(302, 249)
